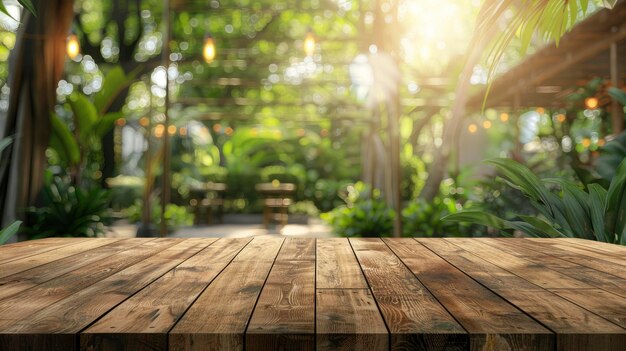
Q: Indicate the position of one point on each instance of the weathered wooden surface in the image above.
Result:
(274, 293)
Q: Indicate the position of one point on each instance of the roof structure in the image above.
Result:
(596, 47)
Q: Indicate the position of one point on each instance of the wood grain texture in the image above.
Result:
(21, 250)
(578, 257)
(20, 306)
(27, 263)
(348, 319)
(492, 322)
(275, 293)
(521, 248)
(536, 273)
(284, 316)
(414, 317)
(218, 318)
(41, 273)
(74, 313)
(337, 266)
(143, 321)
(597, 246)
(584, 251)
(563, 317)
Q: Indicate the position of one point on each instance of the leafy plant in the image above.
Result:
(28, 5)
(10, 231)
(596, 213)
(611, 155)
(365, 217)
(69, 211)
(176, 216)
(423, 218)
(76, 146)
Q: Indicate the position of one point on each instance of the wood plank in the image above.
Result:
(584, 251)
(413, 316)
(598, 264)
(19, 265)
(143, 321)
(284, 316)
(348, 319)
(337, 266)
(574, 325)
(606, 248)
(490, 320)
(582, 273)
(536, 273)
(218, 318)
(14, 308)
(10, 252)
(71, 315)
(27, 279)
(601, 302)
(297, 249)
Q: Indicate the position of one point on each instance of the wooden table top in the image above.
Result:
(271, 292)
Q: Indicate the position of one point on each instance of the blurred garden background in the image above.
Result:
(351, 117)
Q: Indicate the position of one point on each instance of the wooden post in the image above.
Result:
(165, 179)
(617, 111)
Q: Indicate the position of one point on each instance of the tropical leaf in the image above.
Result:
(85, 116)
(106, 122)
(618, 94)
(597, 205)
(8, 232)
(614, 216)
(114, 82)
(28, 5)
(478, 217)
(63, 142)
(5, 142)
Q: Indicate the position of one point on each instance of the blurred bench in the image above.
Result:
(276, 200)
(207, 198)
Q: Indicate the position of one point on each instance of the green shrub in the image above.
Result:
(361, 217)
(596, 214)
(176, 216)
(422, 218)
(69, 211)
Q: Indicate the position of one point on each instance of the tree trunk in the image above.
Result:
(36, 65)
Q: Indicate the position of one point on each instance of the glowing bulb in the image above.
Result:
(73, 46)
(504, 117)
(208, 51)
(171, 129)
(158, 130)
(472, 128)
(586, 142)
(591, 103)
(561, 118)
(309, 44)
(144, 121)
(487, 124)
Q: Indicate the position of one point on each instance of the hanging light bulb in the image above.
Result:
(208, 50)
(72, 46)
(309, 43)
(591, 103)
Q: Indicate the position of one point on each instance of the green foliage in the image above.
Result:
(618, 94)
(596, 214)
(80, 144)
(176, 216)
(361, 216)
(423, 218)
(69, 211)
(10, 231)
(611, 155)
(28, 5)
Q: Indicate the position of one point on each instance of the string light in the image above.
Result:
(208, 51)
(504, 117)
(472, 128)
(487, 124)
(591, 103)
(309, 43)
(560, 118)
(72, 46)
